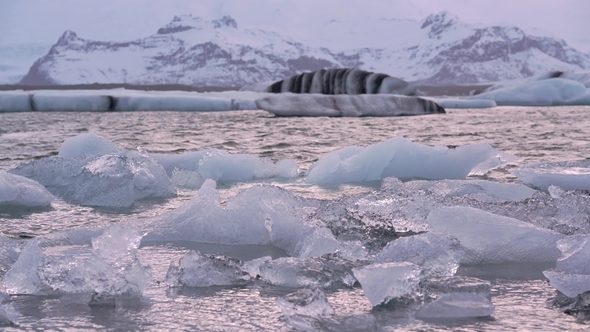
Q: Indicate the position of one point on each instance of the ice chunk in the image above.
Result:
(461, 305)
(20, 191)
(308, 272)
(307, 302)
(569, 175)
(346, 105)
(111, 268)
(570, 284)
(548, 92)
(222, 166)
(321, 241)
(463, 103)
(403, 158)
(197, 270)
(489, 238)
(480, 190)
(387, 282)
(253, 266)
(8, 314)
(434, 288)
(86, 145)
(438, 254)
(575, 254)
(92, 178)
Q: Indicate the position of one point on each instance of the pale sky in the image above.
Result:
(122, 20)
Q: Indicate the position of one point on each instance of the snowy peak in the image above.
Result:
(439, 24)
(188, 22)
(67, 37)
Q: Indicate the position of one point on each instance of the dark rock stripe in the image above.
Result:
(339, 81)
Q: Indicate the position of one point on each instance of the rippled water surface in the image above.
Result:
(533, 133)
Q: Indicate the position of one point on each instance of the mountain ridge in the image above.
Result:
(189, 50)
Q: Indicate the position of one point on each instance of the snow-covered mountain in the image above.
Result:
(194, 51)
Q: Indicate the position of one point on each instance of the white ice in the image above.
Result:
(385, 282)
(461, 305)
(402, 158)
(289, 104)
(92, 171)
(111, 267)
(462, 103)
(16, 190)
(546, 92)
(122, 100)
(439, 255)
(569, 175)
(190, 169)
(489, 238)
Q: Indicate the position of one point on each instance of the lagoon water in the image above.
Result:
(519, 291)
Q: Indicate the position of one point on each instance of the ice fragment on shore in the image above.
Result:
(434, 288)
(570, 284)
(490, 238)
(307, 302)
(571, 275)
(387, 282)
(461, 305)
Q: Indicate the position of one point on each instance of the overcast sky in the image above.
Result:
(120, 20)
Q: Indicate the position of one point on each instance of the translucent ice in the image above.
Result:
(308, 272)
(20, 191)
(307, 302)
(403, 158)
(490, 238)
(570, 284)
(92, 178)
(438, 254)
(222, 166)
(434, 288)
(8, 314)
(387, 282)
(197, 270)
(568, 175)
(461, 305)
(575, 254)
(110, 268)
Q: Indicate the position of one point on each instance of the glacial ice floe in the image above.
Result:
(488, 238)
(16, 190)
(93, 178)
(546, 92)
(569, 175)
(402, 158)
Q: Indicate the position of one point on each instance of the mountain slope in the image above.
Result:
(194, 51)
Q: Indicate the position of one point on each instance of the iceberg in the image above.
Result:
(568, 175)
(402, 158)
(487, 238)
(546, 92)
(16, 190)
(83, 174)
(386, 282)
(462, 305)
(463, 103)
(346, 105)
